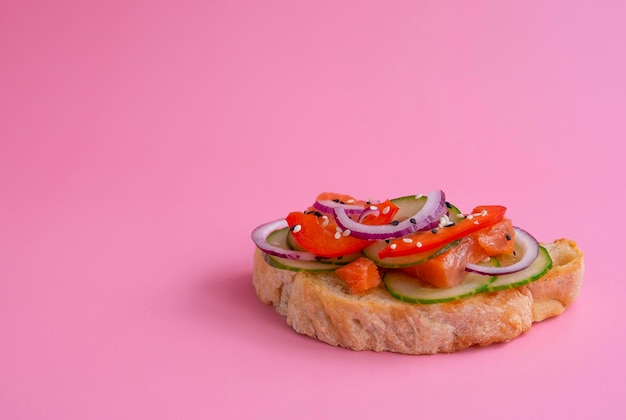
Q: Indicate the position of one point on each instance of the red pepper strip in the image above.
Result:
(309, 233)
(430, 240)
(322, 240)
(386, 212)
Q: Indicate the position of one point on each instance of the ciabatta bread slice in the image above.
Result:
(320, 306)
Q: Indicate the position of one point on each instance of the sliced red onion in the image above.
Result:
(260, 234)
(525, 243)
(327, 206)
(433, 209)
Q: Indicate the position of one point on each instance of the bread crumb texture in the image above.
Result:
(320, 306)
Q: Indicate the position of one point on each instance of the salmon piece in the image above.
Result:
(497, 239)
(448, 269)
(360, 275)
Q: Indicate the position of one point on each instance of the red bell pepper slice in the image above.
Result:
(310, 233)
(481, 217)
(320, 236)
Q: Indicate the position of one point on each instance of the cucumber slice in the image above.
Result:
(411, 204)
(297, 265)
(372, 251)
(291, 242)
(412, 290)
(407, 206)
(533, 272)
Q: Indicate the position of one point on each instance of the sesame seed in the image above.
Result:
(412, 220)
(395, 222)
(297, 228)
(407, 240)
(336, 200)
(434, 231)
(347, 232)
(325, 221)
(373, 208)
(417, 197)
(393, 246)
(469, 216)
(475, 222)
(460, 216)
(418, 244)
(338, 229)
(337, 235)
(386, 210)
(318, 214)
(350, 200)
(483, 213)
(508, 237)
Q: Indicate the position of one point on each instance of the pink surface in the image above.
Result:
(141, 142)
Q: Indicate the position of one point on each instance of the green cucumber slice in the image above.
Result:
(372, 251)
(412, 290)
(533, 272)
(411, 204)
(297, 265)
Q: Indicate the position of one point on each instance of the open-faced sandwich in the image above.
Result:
(412, 274)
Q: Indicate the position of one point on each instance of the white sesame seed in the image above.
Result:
(418, 244)
(373, 208)
(407, 240)
(417, 197)
(350, 200)
(386, 209)
(338, 229)
(483, 213)
(337, 235)
(393, 246)
(297, 228)
(326, 221)
(469, 217)
(486, 259)
(460, 216)
(475, 222)
(347, 232)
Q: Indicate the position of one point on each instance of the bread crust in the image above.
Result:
(320, 306)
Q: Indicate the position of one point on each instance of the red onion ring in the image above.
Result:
(260, 234)
(327, 206)
(529, 247)
(433, 209)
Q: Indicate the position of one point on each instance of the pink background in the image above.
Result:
(141, 142)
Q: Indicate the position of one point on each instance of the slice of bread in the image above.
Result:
(320, 306)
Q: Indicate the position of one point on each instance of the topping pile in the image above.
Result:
(421, 245)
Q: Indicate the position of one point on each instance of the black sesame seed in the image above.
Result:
(317, 213)
(412, 220)
(336, 200)
(395, 222)
(434, 231)
(508, 237)
(341, 202)
(368, 202)
(386, 241)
